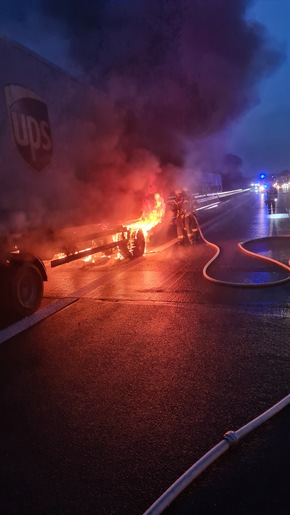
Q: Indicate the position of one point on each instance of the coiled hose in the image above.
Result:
(231, 437)
(242, 246)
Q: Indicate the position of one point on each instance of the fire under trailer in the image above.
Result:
(39, 221)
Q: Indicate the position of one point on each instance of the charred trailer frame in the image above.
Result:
(22, 273)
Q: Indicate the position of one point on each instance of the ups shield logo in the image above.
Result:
(30, 125)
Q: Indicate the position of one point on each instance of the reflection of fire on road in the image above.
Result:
(152, 214)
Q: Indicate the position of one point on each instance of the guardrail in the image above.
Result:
(207, 200)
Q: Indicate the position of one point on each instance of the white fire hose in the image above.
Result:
(231, 437)
(254, 254)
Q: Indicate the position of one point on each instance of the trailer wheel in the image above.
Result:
(138, 244)
(25, 290)
(134, 246)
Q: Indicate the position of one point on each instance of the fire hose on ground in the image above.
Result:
(242, 246)
(231, 437)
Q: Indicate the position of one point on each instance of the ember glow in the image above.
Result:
(152, 215)
(122, 243)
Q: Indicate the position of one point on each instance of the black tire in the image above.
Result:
(134, 246)
(124, 249)
(24, 290)
(138, 247)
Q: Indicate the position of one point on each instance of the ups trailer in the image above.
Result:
(42, 216)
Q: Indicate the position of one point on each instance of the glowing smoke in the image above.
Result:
(172, 72)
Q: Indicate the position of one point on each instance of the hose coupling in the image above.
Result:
(231, 437)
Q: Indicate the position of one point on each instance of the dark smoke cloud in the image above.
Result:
(182, 69)
(176, 71)
(189, 66)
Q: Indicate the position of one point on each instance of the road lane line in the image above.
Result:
(54, 307)
(27, 322)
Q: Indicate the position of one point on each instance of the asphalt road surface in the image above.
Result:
(141, 367)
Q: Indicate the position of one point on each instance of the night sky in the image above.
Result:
(262, 137)
(194, 79)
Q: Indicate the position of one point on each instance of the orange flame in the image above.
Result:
(152, 214)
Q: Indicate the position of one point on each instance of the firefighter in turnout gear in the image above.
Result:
(185, 221)
(272, 194)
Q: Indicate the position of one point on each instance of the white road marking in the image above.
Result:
(54, 307)
(26, 323)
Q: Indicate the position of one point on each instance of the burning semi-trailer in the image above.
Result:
(44, 212)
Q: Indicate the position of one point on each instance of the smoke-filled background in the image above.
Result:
(174, 78)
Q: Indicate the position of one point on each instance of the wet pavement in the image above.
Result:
(109, 400)
(258, 232)
(252, 477)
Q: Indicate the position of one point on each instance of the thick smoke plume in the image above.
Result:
(174, 71)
